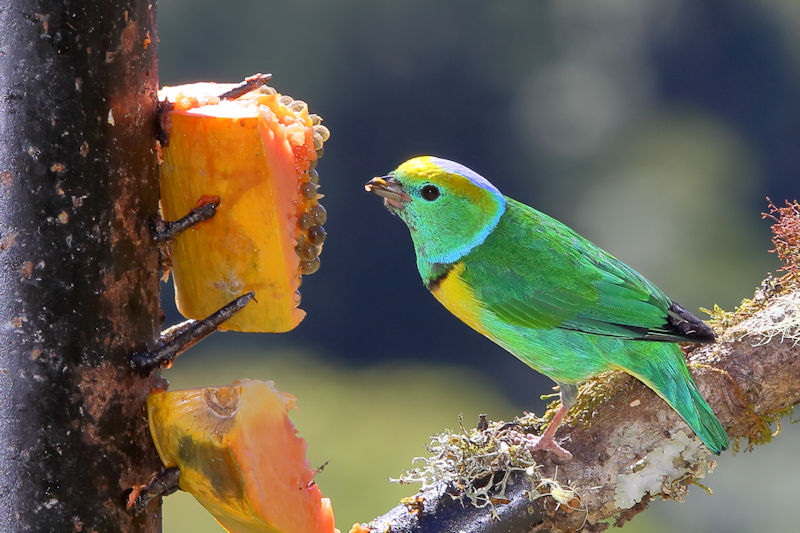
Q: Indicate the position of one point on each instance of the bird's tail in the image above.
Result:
(667, 375)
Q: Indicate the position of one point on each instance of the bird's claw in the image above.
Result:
(541, 444)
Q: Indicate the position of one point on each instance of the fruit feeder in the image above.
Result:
(254, 151)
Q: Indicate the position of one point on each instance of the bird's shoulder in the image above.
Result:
(535, 271)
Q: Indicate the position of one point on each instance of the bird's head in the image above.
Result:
(448, 208)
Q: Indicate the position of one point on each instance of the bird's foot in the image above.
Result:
(545, 443)
(539, 444)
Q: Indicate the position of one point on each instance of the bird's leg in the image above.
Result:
(569, 394)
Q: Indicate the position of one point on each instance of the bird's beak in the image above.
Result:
(391, 191)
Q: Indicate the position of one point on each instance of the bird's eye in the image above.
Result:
(430, 192)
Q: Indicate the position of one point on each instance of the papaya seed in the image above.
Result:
(308, 190)
(309, 267)
(308, 251)
(318, 142)
(305, 221)
(324, 132)
(298, 106)
(318, 215)
(317, 235)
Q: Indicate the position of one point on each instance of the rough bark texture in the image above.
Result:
(626, 436)
(79, 281)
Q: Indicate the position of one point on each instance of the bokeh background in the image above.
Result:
(656, 128)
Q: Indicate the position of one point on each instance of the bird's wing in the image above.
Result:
(544, 275)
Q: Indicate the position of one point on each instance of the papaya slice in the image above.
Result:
(239, 455)
(256, 153)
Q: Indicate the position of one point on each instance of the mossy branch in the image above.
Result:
(628, 445)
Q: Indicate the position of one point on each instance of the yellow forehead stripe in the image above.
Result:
(423, 169)
(419, 166)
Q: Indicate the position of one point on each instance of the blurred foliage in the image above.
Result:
(654, 127)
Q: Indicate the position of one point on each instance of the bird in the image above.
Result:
(547, 295)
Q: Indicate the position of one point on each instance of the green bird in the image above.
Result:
(553, 299)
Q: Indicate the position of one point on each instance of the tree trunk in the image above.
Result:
(79, 283)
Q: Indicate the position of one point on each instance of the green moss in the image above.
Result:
(761, 429)
(592, 393)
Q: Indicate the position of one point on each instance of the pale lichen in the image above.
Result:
(664, 472)
(780, 321)
(477, 464)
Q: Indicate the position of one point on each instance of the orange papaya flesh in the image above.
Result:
(239, 455)
(257, 153)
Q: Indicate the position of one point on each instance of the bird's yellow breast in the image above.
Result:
(459, 298)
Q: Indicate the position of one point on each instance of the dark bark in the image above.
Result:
(79, 285)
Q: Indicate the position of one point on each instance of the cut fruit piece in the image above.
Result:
(240, 457)
(256, 153)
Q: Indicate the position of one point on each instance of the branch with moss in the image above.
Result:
(628, 446)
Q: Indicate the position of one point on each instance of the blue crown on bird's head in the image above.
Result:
(428, 166)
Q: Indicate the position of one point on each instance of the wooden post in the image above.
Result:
(79, 279)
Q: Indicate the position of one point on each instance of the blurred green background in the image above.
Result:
(653, 127)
